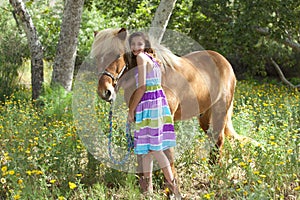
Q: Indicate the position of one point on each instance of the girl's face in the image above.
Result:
(137, 45)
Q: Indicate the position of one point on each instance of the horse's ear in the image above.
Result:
(95, 33)
(122, 34)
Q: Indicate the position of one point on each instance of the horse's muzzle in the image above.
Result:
(107, 95)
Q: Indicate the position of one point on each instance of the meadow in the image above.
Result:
(42, 156)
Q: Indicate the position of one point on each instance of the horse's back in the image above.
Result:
(210, 61)
(209, 77)
(215, 69)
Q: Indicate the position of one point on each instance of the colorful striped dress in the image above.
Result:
(154, 123)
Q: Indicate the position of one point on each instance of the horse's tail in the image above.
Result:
(231, 133)
(229, 130)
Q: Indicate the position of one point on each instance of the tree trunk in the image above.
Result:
(64, 62)
(36, 49)
(161, 19)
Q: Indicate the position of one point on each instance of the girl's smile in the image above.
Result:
(137, 45)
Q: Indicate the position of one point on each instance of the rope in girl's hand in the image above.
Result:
(128, 137)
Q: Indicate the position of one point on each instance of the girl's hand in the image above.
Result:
(131, 117)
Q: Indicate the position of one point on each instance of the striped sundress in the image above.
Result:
(154, 123)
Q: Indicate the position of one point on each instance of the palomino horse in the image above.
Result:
(200, 84)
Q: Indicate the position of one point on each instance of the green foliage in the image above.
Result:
(181, 17)
(226, 26)
(34, 149)
(56, 102)
(42, 157)
(229, 27)
(13, 49)
(47, 17)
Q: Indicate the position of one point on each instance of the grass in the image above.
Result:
(42, 156)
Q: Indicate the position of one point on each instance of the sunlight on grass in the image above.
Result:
(43, 157)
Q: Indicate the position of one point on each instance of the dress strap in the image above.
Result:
(153, 59)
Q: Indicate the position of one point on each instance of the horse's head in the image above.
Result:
(108, 49)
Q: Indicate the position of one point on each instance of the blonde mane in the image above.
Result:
(106, 41)
(167, 58)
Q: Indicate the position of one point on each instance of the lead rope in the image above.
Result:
(128, 137)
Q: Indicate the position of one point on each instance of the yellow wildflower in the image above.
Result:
(52, 181)
(289, 151)
(28, 172)
(72, 185)
(207, 196)
(4, 169)
(297, 188)
(242, 164)
(11, 172)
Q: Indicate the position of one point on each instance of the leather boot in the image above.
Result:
(174, 190)
(146, 185)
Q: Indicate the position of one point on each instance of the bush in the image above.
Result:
(13, 49)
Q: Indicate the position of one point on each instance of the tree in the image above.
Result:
(161, 19)
(36, 49)
(231, 27)
(64, 62)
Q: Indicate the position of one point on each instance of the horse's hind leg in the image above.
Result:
(204, 120)
(213, 123)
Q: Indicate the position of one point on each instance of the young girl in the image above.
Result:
(149, 110)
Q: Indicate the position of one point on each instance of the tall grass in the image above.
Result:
(42, 157)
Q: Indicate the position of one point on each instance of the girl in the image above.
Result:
(150, 111)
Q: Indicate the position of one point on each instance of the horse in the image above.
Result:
(200, 84)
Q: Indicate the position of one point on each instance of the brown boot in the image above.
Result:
(175, 194)
(146, 185)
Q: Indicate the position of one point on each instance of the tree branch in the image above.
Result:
(286, 41)
(282, 77)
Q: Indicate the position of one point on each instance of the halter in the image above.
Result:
(115, 79)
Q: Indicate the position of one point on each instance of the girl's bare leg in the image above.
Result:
(167, 170)
(164, 164)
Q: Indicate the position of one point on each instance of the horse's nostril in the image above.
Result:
(107, 94)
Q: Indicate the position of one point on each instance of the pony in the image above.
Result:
(200, 84)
